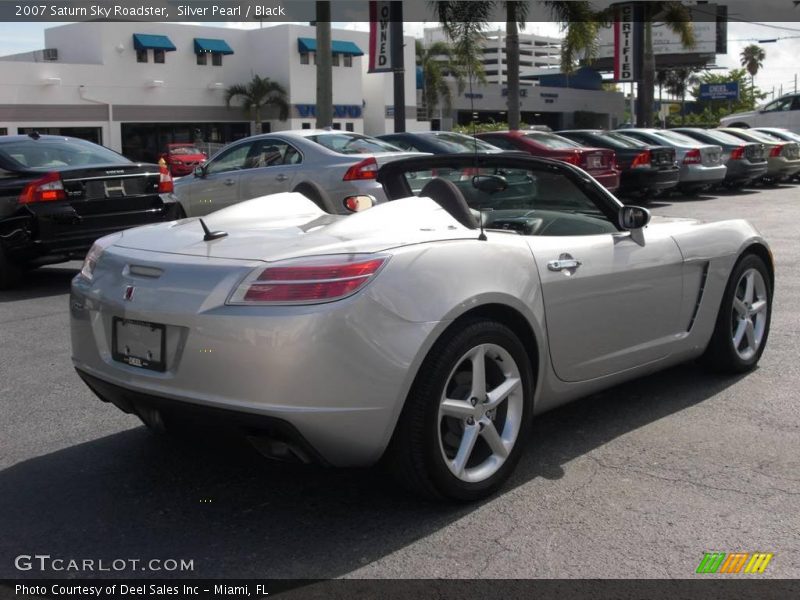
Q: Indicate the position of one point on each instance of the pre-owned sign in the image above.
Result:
(380, 37)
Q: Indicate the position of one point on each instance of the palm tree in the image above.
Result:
(438, 63)
(752, 59)
(475, 15)
(679, 81)
(259, 93)
(675, 17)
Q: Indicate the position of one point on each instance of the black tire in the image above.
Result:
(315, 193)
(721, 354)
(10, 273)
(415, 457)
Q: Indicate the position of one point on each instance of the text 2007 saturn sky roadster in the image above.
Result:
(427, 331)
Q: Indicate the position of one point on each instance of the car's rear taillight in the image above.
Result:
(737, 153)
(45, 189)
(366, 169)
(309, 280)
(776, 150)
(573, 159)
(642, 160)
(693, 157)
(97, 249)
(165, 183)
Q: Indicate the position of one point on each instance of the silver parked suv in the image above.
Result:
(332, 168)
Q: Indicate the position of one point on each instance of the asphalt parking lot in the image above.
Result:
(638, 481)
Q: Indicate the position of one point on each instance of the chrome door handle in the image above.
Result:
(281, 177)
(563, 264)
(229, 181)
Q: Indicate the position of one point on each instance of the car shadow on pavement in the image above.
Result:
(42, 282)
(216, 502)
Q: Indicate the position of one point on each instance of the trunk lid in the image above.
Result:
(711, 155)
(272, 228)
(596, 160)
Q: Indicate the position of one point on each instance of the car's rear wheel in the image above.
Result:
(744, 317)
(463, 427)
(10, 272)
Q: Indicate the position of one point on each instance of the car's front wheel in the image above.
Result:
(744, 316)
(463, 427)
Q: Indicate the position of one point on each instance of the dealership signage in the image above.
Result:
(628, 42)
(340, 111)
(380, 37)
(719, 91)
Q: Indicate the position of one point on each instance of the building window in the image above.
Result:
(335, 60)
(348, 60)
(305, 125)
(304, 58)
(158, 55)
(314, 56)
(349, 127)
(141, 56)
(202, 58)
(337, 125)
(216, 59)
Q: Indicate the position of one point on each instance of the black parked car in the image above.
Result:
(746, 162)
(59, 194)
(645, 169)
(439, 142)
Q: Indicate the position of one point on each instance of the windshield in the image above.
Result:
(627, 142)
(352, 143)
(47, 153)
(456, 142)
(723, 138)
(678, 138)
(551, 140)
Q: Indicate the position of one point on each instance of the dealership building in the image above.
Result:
(137, 86)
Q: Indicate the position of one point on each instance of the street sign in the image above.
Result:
(719, 91)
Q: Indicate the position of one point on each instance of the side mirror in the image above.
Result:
(200, 171)
(633, 217)
(490, 183)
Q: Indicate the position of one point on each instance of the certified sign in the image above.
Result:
(628, 46)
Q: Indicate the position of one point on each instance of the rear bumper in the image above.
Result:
(609, 179)
(744, 170)
(270, 429)
(780, 167)
(57, 233)
(650, 179)
(702, 175)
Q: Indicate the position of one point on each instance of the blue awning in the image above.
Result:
(145, 41)
(337, 47)
(208, 45)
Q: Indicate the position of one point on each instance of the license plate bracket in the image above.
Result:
(139, 344)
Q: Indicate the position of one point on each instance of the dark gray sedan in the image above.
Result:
(746, 161)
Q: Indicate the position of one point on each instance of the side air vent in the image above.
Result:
(700, 292)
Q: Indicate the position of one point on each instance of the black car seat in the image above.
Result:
(449, 197)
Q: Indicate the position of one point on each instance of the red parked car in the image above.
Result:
(600, 163)
(183, 158)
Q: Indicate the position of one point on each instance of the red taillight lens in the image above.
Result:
(737, 153)
(692, 157)
(573, 159)
(366, 169)
(45, 189)
(308, 281)
(776, 150)
(165, 183)
(642, 160)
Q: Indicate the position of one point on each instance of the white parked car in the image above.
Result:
(783, 112)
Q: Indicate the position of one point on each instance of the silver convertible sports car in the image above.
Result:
(425, 332)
